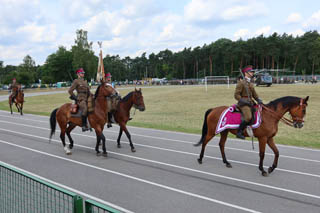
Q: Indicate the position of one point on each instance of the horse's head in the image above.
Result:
(138, 102)
(298, 112)
(107, 90)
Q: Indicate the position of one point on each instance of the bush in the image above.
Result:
(43, 86)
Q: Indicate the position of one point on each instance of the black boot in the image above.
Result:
(109, 120)
(240, 130)
(84, 124)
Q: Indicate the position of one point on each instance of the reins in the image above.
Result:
(278, 116)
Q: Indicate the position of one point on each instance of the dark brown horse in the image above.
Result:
(272, 113)
(122, 115)
(97, 119)
(18, 100)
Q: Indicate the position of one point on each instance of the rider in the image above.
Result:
(243, 94)
(83, 92)
(14, 89)
(108, 77)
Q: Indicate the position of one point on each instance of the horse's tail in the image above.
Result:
(53, 122)
(204, 128)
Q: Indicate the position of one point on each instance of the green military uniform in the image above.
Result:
(83, 91)
(244, 99)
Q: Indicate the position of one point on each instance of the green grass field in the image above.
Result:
(182, 108)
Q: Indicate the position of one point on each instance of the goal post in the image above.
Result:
(216, 80)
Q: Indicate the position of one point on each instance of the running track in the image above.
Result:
(163, 175)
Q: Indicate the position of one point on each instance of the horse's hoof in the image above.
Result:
(68, 153)
(228, 165)
(105, 154)
(133, 150)
(264, 174)
(199, 161)
(119, 146)
(98, 154)
(270, 170)
(70, 146)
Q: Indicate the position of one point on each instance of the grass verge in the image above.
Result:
(182, 108)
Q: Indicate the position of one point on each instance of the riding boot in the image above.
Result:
(84, 124)
(109, 120)
(240, 130)
(12, 99)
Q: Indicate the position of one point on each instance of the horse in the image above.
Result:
(18, 100)
(122, 114)
(272, 113)
(97, 119)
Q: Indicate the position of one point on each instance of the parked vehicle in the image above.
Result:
(263, 79)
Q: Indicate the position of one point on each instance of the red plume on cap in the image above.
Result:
(14, 79)
(108, 75)
(247, 69)
(80, 70)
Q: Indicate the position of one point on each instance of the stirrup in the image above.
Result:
(109, 125)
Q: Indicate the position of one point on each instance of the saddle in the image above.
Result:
(230, 118)
(75, 112)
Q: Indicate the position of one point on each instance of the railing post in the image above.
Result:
(77, 204)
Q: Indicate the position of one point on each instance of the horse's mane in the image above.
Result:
(97, 92)
(287, 101)
(126, 98)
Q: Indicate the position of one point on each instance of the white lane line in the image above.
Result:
(180, 141)
(184, 168)
(134, 178)
(181, 133)
(71, 189)
(172, 150)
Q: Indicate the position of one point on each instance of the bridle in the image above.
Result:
(137, 106)
(290, 122)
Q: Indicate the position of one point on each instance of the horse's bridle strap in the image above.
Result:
(281, 118)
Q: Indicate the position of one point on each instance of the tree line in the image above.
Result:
(222, 57)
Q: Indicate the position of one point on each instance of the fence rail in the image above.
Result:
(22, 192)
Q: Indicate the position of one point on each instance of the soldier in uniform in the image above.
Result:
(14, 89)
(108, 77)
(83, 93)
(243, 94)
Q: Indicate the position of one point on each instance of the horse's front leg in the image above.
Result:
(21, 107)
(124, 128)
(119, 137)
(10, 104)
(275, 150)
(17, 106)
(262, 149)
(100, 137)
(104, 153)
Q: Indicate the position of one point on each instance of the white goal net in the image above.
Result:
(216, 80)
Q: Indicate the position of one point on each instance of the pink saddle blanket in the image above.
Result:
(231, 120)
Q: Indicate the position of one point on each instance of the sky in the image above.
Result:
(132, 27)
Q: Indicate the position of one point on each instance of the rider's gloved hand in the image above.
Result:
(73, 97)
(259, 101)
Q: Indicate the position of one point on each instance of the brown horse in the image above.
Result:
(97, 118)
(271, 114)
(18, 100)
(122, 114)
